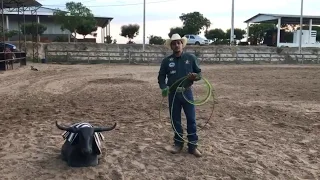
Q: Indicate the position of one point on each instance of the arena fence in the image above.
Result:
(7, 63)
(132, 57)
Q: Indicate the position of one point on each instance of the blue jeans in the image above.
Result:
(189, 110)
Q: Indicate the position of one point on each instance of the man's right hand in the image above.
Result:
(165, 92)
(193, 76)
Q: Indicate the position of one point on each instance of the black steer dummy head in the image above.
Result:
(85, 139)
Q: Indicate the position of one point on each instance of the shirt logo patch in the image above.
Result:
(171, 59)
(187, 62)
(173, 72)
(172, 64)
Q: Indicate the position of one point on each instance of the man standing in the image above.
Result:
(178, 65)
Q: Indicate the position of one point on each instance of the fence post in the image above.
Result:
(88, 58)
(96, 57)
(109, 57)
(270, 59)
(67, 56)
(23, 62)
(237, 57)
(129, 54)
(45, 54)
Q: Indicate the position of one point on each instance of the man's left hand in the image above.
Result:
(165, 92)
(192, 76)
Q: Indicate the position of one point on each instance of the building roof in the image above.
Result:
(20, 3)
(285, 19)
(103, 21)
(41, 11)
(44, 11)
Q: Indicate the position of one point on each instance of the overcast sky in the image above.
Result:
(161, 15)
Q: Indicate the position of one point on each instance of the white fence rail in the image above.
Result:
(94, 57)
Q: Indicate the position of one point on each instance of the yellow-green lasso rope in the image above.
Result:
(210, 93)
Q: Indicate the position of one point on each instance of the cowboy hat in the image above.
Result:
(175, 37)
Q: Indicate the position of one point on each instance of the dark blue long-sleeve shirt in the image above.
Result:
(174, 68)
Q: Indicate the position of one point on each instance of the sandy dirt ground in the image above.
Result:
(265, 125)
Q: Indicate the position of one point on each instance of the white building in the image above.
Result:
(44, 16)
(308, 36)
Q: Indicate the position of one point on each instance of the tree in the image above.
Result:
(237, 32)
(33, 29)
(8, 33)
(87, 27)
(108, 39)
(157, 40)
(130, 31)
(79, 15)
(215, 34)
(177, 30)
(257, 31)
(194, 22)
(207, 24)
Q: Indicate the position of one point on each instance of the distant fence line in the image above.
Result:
(14, 57)
(95, 57)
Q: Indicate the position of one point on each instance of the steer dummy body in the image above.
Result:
(82, 144)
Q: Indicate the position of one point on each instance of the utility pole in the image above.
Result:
(144, 25)
(301, 19)
(2, 24)
(232, 24)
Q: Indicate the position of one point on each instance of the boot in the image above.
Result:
(195, 152)
(175, 149)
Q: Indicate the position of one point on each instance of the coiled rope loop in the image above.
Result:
(210, 93)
